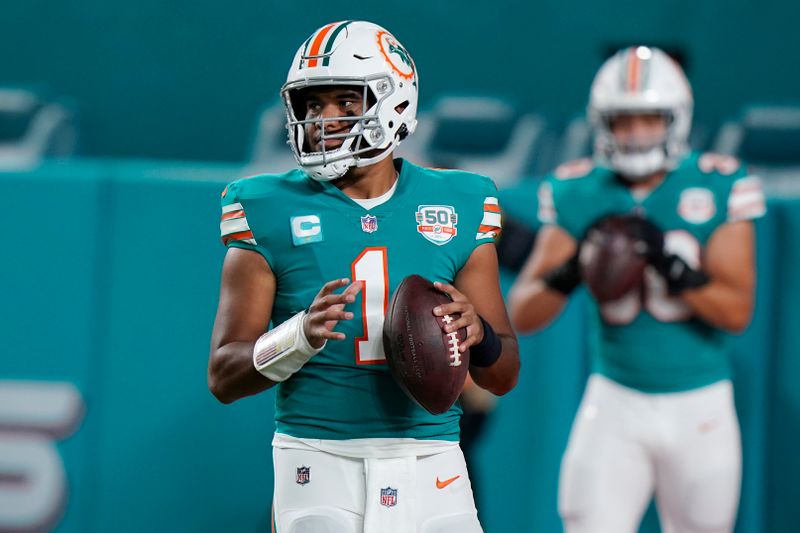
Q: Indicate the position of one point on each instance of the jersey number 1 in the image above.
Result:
(372, 269)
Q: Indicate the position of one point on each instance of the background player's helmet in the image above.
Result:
(646, 80)
(353, 53)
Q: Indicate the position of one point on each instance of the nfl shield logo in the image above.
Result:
(303, 475)
(369, 224)
(388, 497)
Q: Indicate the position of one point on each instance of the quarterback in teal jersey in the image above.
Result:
(318, 251)
(657, 417)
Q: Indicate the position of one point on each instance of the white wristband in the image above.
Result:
(283, 350)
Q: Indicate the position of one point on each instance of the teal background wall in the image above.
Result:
(184, 79)
(111, 273)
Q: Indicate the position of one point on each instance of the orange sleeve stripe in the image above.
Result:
(317, 44)
(484, 229)
(237, 236)
(492, 208)
(233, 214)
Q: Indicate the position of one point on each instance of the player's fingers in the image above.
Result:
(354, 288)
(465, 345)
(332, 335)
(322, 327)
(330, 300)
(332, 285)
(336, 314)
(454, 293)
(462, 322)
(451, 308)
(472, 338)
(345, 297)
(462, 308)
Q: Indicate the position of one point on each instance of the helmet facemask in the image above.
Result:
(637, 159)
(365, 143)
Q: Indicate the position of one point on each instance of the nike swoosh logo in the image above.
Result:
(443, 484)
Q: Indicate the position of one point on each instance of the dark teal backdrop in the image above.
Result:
(110, 275)
(184, 79)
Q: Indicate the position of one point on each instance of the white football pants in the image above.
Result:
(336, 494)
(627, 446)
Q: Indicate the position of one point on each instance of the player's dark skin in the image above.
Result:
(728, 258)
(248, 285)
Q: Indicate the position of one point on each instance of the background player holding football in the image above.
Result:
(657, 416)
(351, 452)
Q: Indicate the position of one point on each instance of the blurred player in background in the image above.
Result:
(657, 416)
(351, 452)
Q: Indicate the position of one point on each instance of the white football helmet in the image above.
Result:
(641, 80)
(352, 53)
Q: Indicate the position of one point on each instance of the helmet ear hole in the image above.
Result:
(401, 107)
(402, 132)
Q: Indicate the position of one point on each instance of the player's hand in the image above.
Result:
(678, 274)
(469, 317)
(327, 310)
(649, 237)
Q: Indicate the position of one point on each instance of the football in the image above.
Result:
(423, 359)
(610, 260)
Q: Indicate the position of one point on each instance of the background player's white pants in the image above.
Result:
(627, 445)
(343, 494)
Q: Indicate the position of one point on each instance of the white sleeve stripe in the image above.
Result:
(734, 202)
(491, 200)
(234, 225)
(547, 212)
(491, 219)
(744, 208)
(486, 235)
(248, 241)
(746, 199)
(231, 207)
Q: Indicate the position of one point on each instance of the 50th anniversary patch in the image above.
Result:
(437, 223)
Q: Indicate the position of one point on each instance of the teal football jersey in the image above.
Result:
(310, 233)
(646, 339)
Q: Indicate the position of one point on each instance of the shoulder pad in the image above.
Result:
(579, 168)
(463, 180)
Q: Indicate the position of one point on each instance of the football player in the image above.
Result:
(657, 417)
(319, 251)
